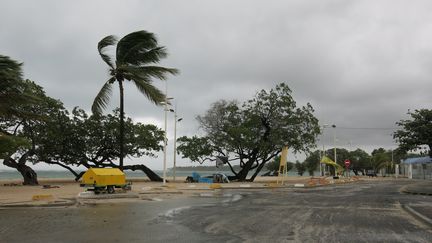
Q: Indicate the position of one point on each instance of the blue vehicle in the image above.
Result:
(215, 178)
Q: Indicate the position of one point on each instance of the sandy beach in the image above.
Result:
(12, 192)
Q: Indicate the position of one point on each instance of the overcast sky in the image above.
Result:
(361, 64)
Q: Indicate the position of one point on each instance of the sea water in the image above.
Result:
(64, 174)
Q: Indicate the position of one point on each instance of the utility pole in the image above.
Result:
(334, 144)
(165, 133)
(175, 140)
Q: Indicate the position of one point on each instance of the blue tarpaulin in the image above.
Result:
(419, 160)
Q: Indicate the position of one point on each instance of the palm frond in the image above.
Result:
(151, 92)
(101, 100)
(133, 43)
(105, 42)
(148, 72)
(147, 57)
(9, 69)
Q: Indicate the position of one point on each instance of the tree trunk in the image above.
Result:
(150, 174)
(257, 171)
(28, 174)
(241, 176)
(121, 123)
(77, 176)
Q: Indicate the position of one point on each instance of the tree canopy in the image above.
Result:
(36, 114)
(90, 141)
(416, 132)
(311, 162)
(254, 132)
(135, 56)
(14, 94)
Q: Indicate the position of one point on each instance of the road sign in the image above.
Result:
(347, 162)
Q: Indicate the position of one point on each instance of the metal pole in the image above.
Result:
(334, 143)
(323, 165)
(165, 134)
(323, 153)
(175, 141)
(392, 163)
(319, 163)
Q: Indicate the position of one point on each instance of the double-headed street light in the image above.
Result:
(334, 142)
(165, 134)
(175, 140)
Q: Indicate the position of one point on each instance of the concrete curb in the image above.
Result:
(64, 203)
(414, 192)
(418, 215)
(107, 196)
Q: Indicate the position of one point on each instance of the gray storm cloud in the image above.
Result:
(361, 64)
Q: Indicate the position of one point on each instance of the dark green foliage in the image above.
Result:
(195, 148)
(415, 133)
(134, 53)
(360, 161)
(341, 155)
(15, 94)
(94, 138)
(312, 162)
(255, 132)
(273, 166)
(300, 167)
(135, 56)
(11, 87)
(9, 144)
(36, 114)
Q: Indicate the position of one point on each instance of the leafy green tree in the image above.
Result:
(12, 88)
(253, 133)
(25, 126)
(91, 142)
(198, 149)
(135, 56)
(13, 95)
(273, 166)
(300, 167)
(416, 132)
(380, 158)
(341, 155)
(360, 161)
(311, 163)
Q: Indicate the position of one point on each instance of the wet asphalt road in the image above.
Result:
(360, 212)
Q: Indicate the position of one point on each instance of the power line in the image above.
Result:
(368, 128)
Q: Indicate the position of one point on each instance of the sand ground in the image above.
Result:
(11, 191)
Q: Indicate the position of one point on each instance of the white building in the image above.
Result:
(417, 168)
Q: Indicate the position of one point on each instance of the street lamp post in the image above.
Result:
(323, 151)
(175, 140)
(165, 141)
(334, 143)
(165, 133)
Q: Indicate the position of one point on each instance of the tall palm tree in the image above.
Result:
(135, 56)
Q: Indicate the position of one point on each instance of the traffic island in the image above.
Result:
(420, 188)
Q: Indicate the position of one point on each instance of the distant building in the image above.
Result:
(417, 168)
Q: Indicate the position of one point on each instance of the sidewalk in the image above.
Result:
(58, 193)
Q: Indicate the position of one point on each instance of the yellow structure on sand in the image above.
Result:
(104, 178)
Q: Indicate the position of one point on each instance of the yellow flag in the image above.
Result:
(327, 160)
